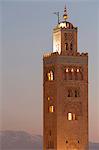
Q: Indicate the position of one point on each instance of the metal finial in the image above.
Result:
(65, 16)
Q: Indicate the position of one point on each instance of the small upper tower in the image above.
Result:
(65, 36)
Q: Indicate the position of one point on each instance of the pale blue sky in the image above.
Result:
(26, 34)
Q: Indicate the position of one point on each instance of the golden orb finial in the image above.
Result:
(65, 16)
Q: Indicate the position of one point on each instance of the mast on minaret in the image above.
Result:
(57, 13)
(65, 16)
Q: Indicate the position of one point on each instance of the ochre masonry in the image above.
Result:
(65, 92)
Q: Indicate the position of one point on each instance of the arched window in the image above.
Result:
(66, 46)
(66, 73)
(70, 94)
(71, 46)
(50, 132)
(71, 116)
(76, 75)
(70, 75)
(66, 142)
(51, 109)
(48, 98)
(81, 75)
(67, 70)
(77, 94)
(78, 142)
(50, 75)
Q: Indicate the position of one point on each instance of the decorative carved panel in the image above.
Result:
(68, 36)
(73, 107)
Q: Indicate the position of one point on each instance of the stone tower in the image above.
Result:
(65, 92)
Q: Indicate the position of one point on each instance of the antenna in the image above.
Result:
(57, 13)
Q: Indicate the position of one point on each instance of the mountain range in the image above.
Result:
(20, 140)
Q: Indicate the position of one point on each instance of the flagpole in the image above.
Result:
(57, 13)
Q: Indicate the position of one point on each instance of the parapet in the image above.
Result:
(66, 53)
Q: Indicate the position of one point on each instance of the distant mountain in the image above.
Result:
(93, 146)
(20, 140)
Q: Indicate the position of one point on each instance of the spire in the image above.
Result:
(65, 16)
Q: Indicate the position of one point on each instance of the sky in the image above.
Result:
(25, 35)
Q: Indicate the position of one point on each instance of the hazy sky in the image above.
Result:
(25, 35)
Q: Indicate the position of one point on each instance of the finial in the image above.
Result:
(65, 16)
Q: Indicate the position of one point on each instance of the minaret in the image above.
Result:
(64, 36)
(65, 91)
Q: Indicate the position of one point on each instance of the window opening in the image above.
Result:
(66, 46)
(76, 93)
(50, 132)
(71, 46)
(50, 76)
(51, 109)
(72, 70)
(70, 75)
(66, 141)
(76, 76)
(70, 93)
(48, 98)
(71, 116)
(77, 70)
(67, 70)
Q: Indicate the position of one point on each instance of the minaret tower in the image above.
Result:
(65, 91)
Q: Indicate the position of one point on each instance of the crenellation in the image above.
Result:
(67, 53)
